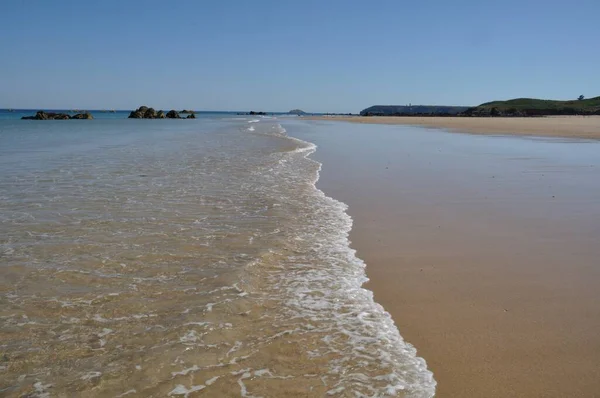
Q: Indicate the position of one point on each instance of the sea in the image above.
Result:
(158, 258)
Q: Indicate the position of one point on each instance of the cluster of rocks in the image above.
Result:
(143, 112)
(252, 113)
(41, 115)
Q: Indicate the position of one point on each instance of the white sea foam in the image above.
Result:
(332, 295)
(202, 256)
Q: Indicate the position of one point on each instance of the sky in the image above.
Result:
(319, 56)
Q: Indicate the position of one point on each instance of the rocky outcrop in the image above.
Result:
(173, 114)
(139, 113)
(143, 112)
(191, 116)
(85, 115)
(150, 114)
(41, 115)
(187, 111)
(252, 113)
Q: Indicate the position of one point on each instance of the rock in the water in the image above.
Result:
(139, 113)
(136, 115)
(150, 113)
(191, 116)
(41, 115)
(172, 114)
(85, 115)
(143, 112)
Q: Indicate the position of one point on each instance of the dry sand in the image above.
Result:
(553, 126)
(487, 256)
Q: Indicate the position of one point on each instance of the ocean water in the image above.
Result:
(183, 258)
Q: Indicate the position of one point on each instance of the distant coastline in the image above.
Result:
(585, 127)
(518, 107)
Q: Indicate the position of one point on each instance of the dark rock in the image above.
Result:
(136, 115)
(139, 113)
(143, 112)
(150, 113)
(41, 115)
(85, 115)
(186, 111)
(172, 114)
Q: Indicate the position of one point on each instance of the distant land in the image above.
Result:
(536, 107)
(297, 112)
(518, 107)
(412, 110)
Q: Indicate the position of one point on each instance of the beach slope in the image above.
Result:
(587, 127)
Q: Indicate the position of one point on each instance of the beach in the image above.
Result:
(183, 258)
(483, 249)
(552, 126)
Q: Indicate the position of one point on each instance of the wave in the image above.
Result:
(322, 283)
(214, 264)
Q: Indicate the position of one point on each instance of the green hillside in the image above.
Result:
(536, 107)
(412, 110)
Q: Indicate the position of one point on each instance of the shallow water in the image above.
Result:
(175, 258)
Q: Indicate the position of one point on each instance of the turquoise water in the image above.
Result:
(172, 257)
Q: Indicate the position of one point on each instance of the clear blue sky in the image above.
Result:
(327, 55)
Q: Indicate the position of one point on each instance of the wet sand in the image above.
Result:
(483, 249)
(553, 126)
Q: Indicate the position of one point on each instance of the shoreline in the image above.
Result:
(482, 256)
(581, 127)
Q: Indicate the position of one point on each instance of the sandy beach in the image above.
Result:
(553, 126)
(483, 249)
